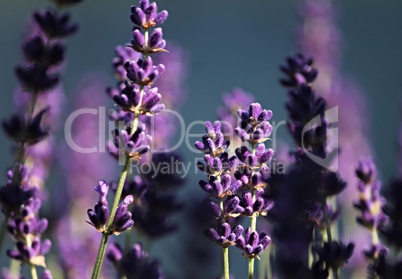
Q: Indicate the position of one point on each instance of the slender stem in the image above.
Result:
(374, 236)
(226, 262)
(100, 256)
(102, 246)
(225, 249)
(251, 268)
(335, 273)
(119, 190)
(34, 275)
(327, 222)
(15, 267)
(253, 226)
(120, 185)
(3, 229)
(269, 270)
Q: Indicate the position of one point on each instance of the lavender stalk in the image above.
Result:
(132, 98)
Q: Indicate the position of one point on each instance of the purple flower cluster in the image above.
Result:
(242, 194)
(134, 263)
(20, 198)
(99, 216)
(303, 211)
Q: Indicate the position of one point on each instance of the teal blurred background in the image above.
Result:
(231, 43)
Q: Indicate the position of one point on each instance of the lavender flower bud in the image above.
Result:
(252, 244)
(146, 15)
(55, 25)
(298, 71)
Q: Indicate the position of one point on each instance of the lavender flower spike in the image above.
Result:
(99, 216)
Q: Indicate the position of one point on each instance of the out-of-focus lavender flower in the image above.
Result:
(319, 35)
(64, 3)
(151, 217)
(22, 132)
(135, 263)
(334, 254)
(36, 51)
(99, 216)
(32, 253)
(27, 224)
(35, 79)
(75, 239)
(227, 113)
(26, 228)
(16, 192)
(54, 25)
(370, 202)
(123, 55)
(298, 71)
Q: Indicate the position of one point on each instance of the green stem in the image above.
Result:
(119, 191)
(34, 275)
(251, 268)
(335, 273)
(374, 236)
(100, 256)
(15, 267)
(225, 249)
(117, 197)
(103, 244)
(226, 262)
(3, 229)
(253, 226)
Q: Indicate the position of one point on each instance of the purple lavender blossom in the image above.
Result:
(370, 202)
(22, 132)
(142, 71)
(252, 244)
(146, 15)
(31, 253)
(26, 228)
(222, 187)
(225, 236)
(132, 145)
(298, 71)
(334, 254)
(254, 126)
(128, 99)
(134, 263)
(156, 42)
(232, 102)
(55, 26)
(99, 216)
(213, 142)
(123, 55)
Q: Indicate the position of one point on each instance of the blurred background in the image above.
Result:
(228, 44)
